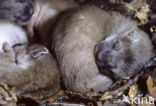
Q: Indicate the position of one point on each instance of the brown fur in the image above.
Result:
(32, 70)
(74, 40)
(32, 76)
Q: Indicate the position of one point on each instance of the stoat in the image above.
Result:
(88, 35)
(31, 69)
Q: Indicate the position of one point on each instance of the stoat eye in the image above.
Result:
(36, 51)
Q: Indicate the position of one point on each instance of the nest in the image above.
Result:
(122, 92)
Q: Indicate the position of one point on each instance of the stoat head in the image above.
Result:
(32, 56)
(19, 11)
(122, 55)
(25, 57)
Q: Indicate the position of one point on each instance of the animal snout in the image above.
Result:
(102, 57)
(102, 54)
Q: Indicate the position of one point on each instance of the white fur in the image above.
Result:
(12, 34)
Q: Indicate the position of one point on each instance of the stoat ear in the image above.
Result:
(6, 47)
(37, 50)
(133, 35)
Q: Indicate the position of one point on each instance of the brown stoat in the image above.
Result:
(87, 34)
(32, 70)
(45, 14)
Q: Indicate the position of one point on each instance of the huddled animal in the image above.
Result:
(31, 69)
(88, 35)
(93, 47)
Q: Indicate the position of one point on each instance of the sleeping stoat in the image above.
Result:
(31, 69)
(88, 35)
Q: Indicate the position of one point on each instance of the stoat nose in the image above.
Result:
(101, 59)
(101, 55)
